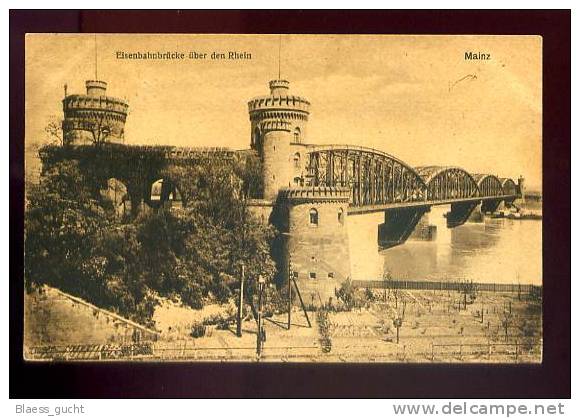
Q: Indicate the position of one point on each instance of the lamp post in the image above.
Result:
(240, 304)
(261, 284)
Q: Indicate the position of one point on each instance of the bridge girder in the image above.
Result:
(489, 185)
(508, 186)
(444, 183)
(377, 178)
(374, 177)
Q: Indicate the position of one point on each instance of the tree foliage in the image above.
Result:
(75, 242)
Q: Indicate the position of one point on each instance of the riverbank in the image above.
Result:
(436, 326)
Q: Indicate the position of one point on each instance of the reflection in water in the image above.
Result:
(496, 250)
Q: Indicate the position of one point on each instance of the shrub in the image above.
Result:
(197, 330)
(324, 330)
(276, 301)
(346, 294)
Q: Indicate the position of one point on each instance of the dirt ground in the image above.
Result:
(436, 327)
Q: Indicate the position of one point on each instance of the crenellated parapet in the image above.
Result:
(299, 195)
(94, 117)
(279, 105)
(294, 103)
(275, 125)
(79, 102)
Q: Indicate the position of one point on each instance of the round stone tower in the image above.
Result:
(275, 156)
(278, 132)
(93, 117)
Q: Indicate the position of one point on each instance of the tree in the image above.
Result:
(387, 284)
(506, 322)
(98, 129)
(75, 242)
(53, 131)
(469, 289)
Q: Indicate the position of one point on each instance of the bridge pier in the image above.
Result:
(490, 206)
(459, 213)
(477, 215)
(399, 224)
(424, 231)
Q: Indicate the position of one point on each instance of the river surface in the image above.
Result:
(493, 251)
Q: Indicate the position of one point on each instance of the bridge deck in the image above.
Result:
(360, 210)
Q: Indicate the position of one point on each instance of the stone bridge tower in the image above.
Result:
(278, 134)
(315, 247)
(93, 117)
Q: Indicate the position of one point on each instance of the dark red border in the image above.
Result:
(550, 380)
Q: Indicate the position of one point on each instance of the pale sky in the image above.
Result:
(398, 94)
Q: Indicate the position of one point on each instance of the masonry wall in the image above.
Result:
(319, 254)
(277, 169)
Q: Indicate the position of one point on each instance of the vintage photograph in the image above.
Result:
(283, 198)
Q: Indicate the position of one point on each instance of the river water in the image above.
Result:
(493, 251)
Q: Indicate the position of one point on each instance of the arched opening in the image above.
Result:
(313, 217)
(164, 191)
(341, 216)
(297, 137)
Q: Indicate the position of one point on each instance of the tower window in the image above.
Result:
(297, 160)
(313, 217)
(341, 216)
(297, 138)
(312, 275)
(331, 275)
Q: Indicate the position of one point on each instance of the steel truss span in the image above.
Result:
(445, 183)
(377, 178)
(489, 185)
(374, 177)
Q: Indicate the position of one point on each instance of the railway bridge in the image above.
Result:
(312, 190)
(309, 191)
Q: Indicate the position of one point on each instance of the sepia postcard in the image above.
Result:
(283, 198)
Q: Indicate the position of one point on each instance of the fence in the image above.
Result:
(90, 352)
(449, 285)
(152, 351)
(519, 349)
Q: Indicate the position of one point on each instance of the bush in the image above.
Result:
(324, 330)
(197, 330)
(346, 294)
(276, 302)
